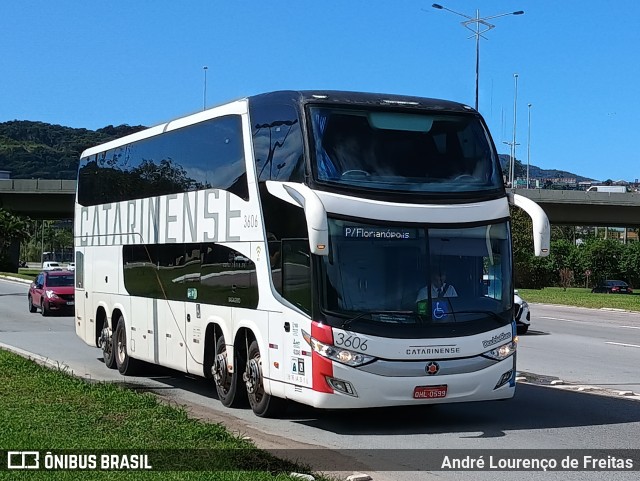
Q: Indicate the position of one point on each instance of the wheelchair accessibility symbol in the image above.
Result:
(438, 311)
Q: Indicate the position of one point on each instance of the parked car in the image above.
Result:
(52, 291)
(71, 266)
(521, 313)
(612, 287)
(51, 266)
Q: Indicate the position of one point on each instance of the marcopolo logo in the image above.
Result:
(496, 339)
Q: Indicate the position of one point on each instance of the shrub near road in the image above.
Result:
(48, 410)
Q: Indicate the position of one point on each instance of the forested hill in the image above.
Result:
(32, 150)
(37, 150)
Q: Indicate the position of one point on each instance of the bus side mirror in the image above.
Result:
(314, 212)
(541, 227)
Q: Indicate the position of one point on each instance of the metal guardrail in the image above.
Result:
(35, 186)
(580, 197)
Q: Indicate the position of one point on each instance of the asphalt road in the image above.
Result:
(581, 346)
(591, 347)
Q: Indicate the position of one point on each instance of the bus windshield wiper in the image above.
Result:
(347, 322)
(491, 314)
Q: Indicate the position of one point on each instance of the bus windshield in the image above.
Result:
(417, 274)
(398, 151)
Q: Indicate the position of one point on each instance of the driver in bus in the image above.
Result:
(439, 287)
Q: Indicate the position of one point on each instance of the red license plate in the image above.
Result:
(430, 392)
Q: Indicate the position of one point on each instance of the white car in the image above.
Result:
(521, 313)
(51, 266)
(71, 266)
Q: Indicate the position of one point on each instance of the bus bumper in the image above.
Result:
(370, 390)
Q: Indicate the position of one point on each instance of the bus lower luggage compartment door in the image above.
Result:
(171, 334)
(143, 323)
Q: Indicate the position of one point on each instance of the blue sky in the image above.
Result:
(94, 63)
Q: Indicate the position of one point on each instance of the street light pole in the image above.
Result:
(528, 145)
(511, 154)
(204, 96)
(473, 24)
(515, 117)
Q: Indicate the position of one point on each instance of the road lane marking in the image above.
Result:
(576, 320)
(622, 344)
(560, 319)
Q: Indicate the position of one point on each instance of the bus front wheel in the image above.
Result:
(228, 385)
(262, 404)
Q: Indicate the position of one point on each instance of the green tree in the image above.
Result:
(603, 258)
(529, 271)
(13, 230)
(630, 263)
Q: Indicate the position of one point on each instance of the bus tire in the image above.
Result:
(108, 352)
(126, 366)
(263, 405)
(229, 386)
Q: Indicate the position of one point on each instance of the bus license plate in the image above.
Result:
(430, 392)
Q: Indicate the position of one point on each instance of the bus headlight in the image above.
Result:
(341, 355)
(502, 352)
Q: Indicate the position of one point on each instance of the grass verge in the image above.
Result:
(48, 410)
(581, 297)
(27, 274)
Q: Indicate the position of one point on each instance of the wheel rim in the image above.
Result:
(121, 346)
(107, 346)
(254, 380)
(220, 373)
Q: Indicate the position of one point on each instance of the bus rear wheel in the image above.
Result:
(124, 363)
(228, 385)
(263, 405)
(106, 343)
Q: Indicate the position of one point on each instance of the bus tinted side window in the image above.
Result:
(277, 142)
(205, 155)
(205, 273)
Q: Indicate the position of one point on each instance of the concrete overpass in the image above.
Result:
(575, 207)
(53, 199)
(38, 198)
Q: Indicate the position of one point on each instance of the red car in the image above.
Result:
(52, 291)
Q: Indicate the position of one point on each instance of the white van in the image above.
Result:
(608, 188)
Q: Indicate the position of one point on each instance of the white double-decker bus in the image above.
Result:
(283, 245)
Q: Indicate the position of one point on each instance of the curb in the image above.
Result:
(15, 279)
